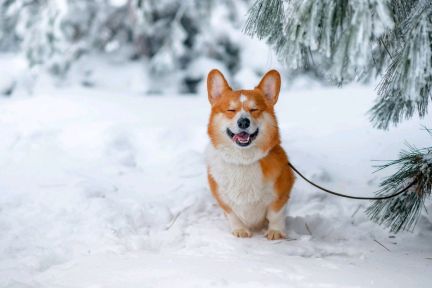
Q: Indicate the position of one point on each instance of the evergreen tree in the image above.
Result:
(347, 40)
(168, 35)
(174, 34)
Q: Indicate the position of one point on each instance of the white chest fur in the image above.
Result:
(241, 186)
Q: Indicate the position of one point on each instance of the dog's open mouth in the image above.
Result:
(242, 139)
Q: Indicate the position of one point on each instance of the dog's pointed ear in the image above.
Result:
(216, 85)
(270, 85)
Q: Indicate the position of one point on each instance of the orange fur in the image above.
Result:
(228, 97)
(275, 168)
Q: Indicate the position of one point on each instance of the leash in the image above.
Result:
(349, 196)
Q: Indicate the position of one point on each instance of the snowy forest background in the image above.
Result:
(103, 114)
(175, 42)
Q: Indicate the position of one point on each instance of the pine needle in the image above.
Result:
(402, 212)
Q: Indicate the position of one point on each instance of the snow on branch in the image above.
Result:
(406, 85)
(346, 40)
(403, 211)
(337, 35)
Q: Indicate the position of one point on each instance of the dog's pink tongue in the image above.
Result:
(241, 137)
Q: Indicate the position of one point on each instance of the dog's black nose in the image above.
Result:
(243, 123)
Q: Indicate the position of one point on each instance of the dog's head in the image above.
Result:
(243, 119)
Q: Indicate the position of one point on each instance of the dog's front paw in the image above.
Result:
(242, 233)
(275, 235)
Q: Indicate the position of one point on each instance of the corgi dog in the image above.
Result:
(247, 169)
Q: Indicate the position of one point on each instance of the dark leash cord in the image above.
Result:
(349, 196)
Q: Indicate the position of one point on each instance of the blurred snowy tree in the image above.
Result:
(8, 22)
(346, 40)
(169, 35)
(174, 34)
(54, 34)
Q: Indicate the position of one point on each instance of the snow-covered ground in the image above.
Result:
(103, 188)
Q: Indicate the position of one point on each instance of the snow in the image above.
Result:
(11, 67)
(101, 187)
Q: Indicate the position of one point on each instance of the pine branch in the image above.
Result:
(403, 211)
(265, 18)
(406, 85)
(343, 40)
(338, 34)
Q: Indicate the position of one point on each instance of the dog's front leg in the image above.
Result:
(238, 228)
(276, 210)
(276, 226)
